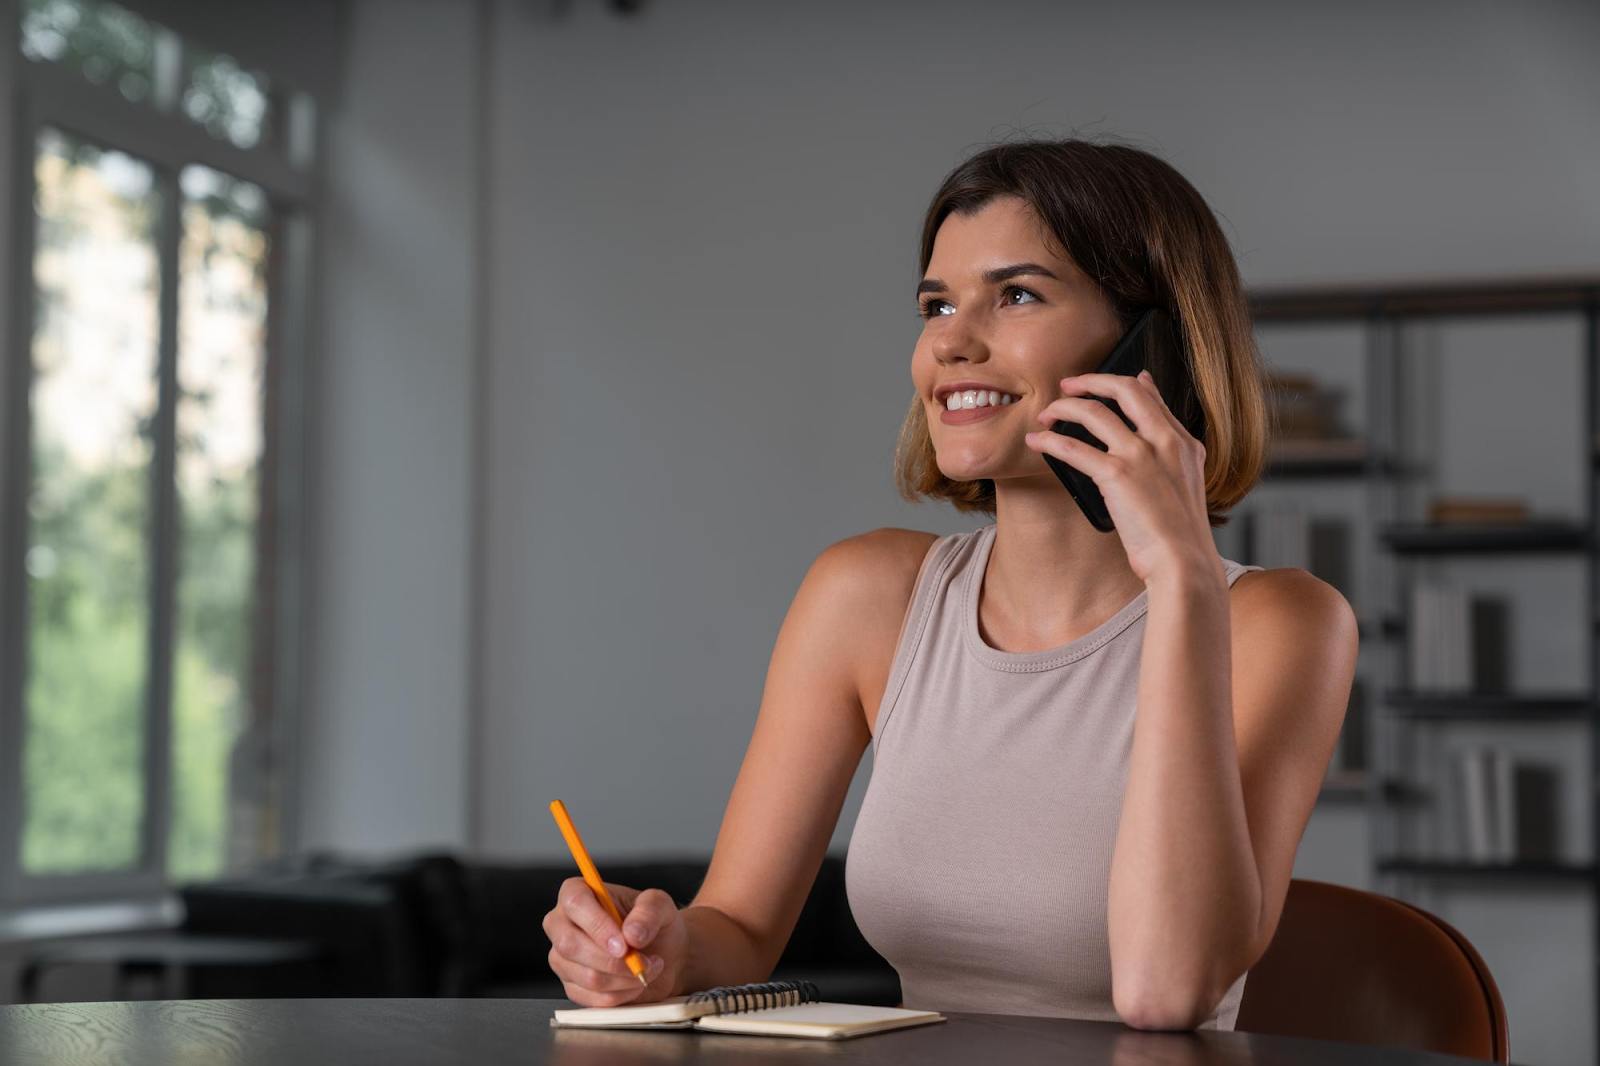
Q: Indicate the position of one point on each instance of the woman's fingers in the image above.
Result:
(577, 901)
(650, 912)
(1092, 415)
(1138, 398)
(579, 949)
(1099, 465)
(587, 946)
(586, 939)
(581, 980)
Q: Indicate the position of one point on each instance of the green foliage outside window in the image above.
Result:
(104, 42)
(87, 678)
(90, 543)
(88, 655)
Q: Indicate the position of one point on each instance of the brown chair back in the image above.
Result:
(1367, 969)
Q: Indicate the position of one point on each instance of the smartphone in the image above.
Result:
(1128, 357)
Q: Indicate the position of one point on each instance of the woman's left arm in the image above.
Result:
(1241, 695)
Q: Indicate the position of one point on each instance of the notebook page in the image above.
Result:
(827, 1020)
(675, 1012)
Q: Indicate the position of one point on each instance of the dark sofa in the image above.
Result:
(433, 925)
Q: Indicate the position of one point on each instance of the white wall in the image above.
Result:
(702, 264)
(701, 261)
(385, 728)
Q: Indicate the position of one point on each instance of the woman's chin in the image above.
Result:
(977, 467)
(963, 471)
(972, 471)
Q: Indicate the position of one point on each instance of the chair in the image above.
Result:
(1367, 969)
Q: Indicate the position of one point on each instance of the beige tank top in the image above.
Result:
(980, 862)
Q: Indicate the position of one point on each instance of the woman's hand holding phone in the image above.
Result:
(586, 946)
(1152, 477)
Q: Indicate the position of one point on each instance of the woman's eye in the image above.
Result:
(930, 308)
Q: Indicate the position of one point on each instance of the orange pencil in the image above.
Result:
(591, 877)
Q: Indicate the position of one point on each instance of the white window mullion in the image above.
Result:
(158, 724)
(290, 345)
(168, 70)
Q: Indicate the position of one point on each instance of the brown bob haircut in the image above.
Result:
(1133, 223)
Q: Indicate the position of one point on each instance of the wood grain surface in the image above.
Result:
(503, 1032)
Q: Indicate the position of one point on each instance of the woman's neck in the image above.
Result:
(1051, 575)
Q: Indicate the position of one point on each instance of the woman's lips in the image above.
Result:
(961, 416)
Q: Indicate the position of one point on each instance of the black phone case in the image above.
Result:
(1128, 357)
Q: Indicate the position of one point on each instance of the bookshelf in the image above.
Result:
(1529, 536)
(1375, 462)
(1403, 703)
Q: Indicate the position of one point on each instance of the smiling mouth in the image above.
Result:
(962, 415)
(956, 400)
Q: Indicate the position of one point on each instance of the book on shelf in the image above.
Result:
(1509, 810)
(1316, 449)
(1474, 510)
(1299, 406)
(1458, 642)
(1287, 534)
(1536, 790)
(1504, 807)
(1278, 535)
(1476, 777)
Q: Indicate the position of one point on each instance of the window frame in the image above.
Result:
(155, 131)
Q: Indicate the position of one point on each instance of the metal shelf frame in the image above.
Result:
(1393, 713)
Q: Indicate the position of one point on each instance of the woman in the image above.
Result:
(1028, 843)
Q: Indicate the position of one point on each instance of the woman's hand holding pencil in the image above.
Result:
(597, 929)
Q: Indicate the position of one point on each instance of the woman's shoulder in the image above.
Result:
(1288, 596)
(888, 556)
(886, 560)
(878, 571)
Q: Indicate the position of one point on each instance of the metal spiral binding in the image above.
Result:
(731, 999)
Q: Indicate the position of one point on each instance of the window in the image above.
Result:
(148, 573)
(89, 546)
(222, 304)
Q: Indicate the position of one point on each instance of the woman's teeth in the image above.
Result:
(977, 398)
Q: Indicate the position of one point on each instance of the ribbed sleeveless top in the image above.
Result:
(980, 862)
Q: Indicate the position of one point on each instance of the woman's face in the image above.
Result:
(1000, 309)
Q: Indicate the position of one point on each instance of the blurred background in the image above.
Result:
(417, 410)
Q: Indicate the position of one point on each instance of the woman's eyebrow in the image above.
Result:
(991, 277)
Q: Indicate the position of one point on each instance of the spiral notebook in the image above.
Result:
(770, 1008)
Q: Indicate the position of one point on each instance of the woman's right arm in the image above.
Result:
(808, 740)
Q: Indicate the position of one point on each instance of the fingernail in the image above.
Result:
(656, 964)
(617, 947)
(636, 933)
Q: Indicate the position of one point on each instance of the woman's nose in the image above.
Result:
(961, 338)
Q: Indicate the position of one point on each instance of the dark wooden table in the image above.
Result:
(503, 1032)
